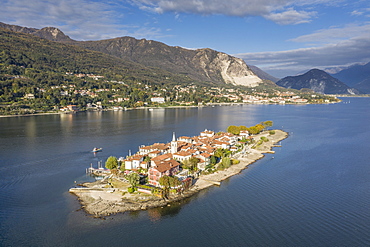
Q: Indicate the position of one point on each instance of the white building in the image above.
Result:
(159, 100)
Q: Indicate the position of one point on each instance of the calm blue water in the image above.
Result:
(314, 192)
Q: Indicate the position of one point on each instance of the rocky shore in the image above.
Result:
(98, 200)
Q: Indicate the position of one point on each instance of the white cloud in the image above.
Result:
(279, 11)
(335, 34)
(291, 16)
(357, 13)
(80, 19)
(284, 63)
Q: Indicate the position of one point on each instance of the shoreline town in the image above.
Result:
(116, 193)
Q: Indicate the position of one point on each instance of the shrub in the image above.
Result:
(265, 139)
(235, 161)
(272, 132)
(131, 189)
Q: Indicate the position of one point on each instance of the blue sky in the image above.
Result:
(281, 37)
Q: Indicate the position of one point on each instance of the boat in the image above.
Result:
(95, 150)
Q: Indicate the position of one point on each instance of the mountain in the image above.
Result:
(205, 65)
(318, 81)
(201, 64)
(262, 74)
(50, 33)
(357, 76)
(43, 57)
(363, 86)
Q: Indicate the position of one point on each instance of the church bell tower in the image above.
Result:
(173, 144)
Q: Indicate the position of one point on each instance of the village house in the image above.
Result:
(182, 156)
(244, 133)
(161, 166)
(185, 139)
(207, 133)
(72, 107)
(156, 148)
(204, 160)
(221, 144)
(135, 162)
(159, 100)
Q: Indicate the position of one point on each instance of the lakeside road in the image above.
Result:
(99, 201)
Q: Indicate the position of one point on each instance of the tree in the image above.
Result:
(268, 123)
(111, 163)
(174, 182)
(133, 178)
(219, 152)
(191, 163)
(164, 181)
(226, 162)
(122, 168)
(260, 127)
(233, 129)
(213, 160)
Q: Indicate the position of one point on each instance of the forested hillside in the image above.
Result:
(37, 75)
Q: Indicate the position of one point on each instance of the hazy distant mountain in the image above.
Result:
(203, 64)
(262, 74)
(357, 76)
(318, 81)
(364, 86)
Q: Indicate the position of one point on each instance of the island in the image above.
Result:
(166, 172)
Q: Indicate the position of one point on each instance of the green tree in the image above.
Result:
(213, 160)
(165, 182)
(233, 129)
(191, 164)
(122, 167)
(226, 162)
(133, 178)
(111, 163)
(219, 153)
(268, 123)
(260, 127)
(174, 182)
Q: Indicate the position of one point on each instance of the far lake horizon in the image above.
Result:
(314, 191)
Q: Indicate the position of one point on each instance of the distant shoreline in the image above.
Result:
(164, 107)
(99, 201)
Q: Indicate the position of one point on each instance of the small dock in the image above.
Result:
(76, 190)
(100, 171)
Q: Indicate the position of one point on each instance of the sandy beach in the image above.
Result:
(99, 201)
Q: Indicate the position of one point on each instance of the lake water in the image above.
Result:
(314, 191)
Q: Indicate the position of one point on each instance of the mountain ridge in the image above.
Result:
(318, 81)
(202, 64)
